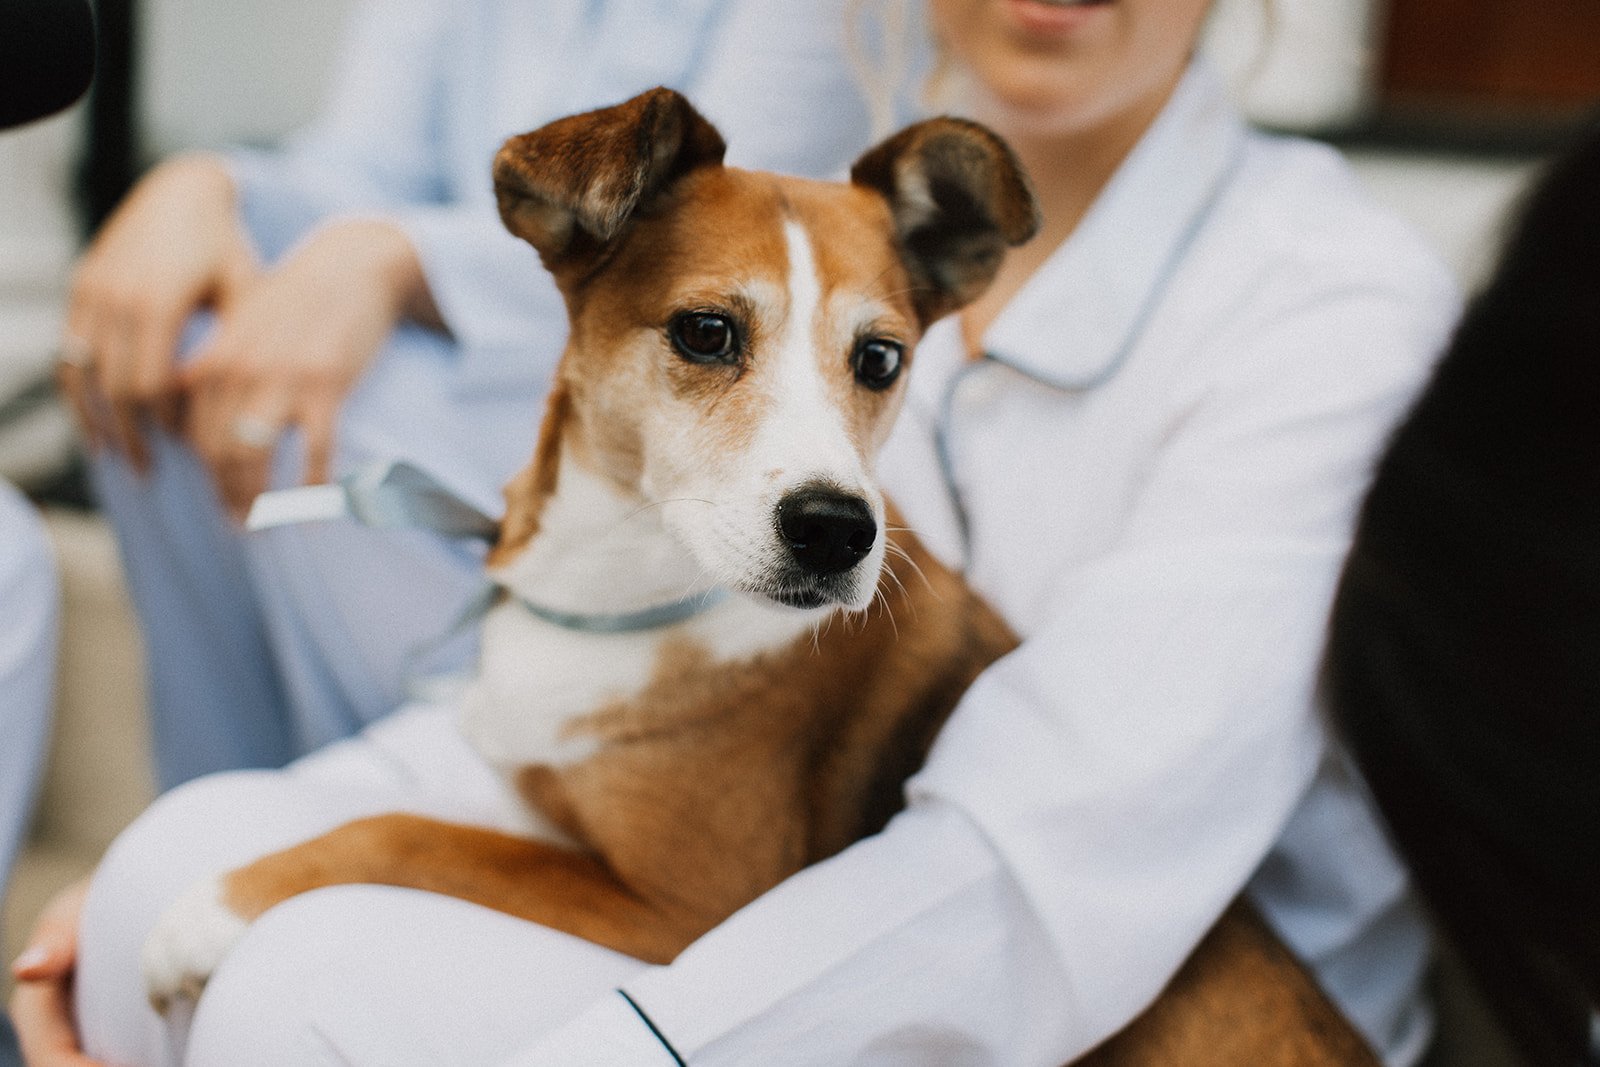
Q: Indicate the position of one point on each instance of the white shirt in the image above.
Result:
(1161, 466)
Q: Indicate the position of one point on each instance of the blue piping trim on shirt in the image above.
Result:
(1158, 288)
(679, 1060)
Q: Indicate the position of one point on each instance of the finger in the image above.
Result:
(244, 477)
(255, 421)
(208, 390)
(319, 419)
(72, 380)
(74, 369)
(239, 273)
(155, 371)
(172, 411)
(116, 372)
(202, 426)
(127, 433)
(199, 372)
(53, 946)
(42, 1015)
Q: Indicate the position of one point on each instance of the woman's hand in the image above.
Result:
(291, 349)
(41, 1006)
(174, 245)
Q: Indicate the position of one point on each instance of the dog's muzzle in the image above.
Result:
(825, 533)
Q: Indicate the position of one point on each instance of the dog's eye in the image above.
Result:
(877, 362)
(702, 337)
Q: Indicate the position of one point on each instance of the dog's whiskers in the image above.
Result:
(905, 594)
(902, 554)
(880, 597)
(642, 508)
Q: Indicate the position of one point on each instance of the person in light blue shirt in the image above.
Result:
(352, 298)
(29, 601)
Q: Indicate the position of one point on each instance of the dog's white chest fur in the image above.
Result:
(536, 678)
(596, 553)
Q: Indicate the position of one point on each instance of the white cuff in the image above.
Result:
(611, 1034)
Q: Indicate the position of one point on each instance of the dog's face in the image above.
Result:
(739, 360)
(740, 341)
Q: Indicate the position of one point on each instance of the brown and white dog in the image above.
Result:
(737, 354)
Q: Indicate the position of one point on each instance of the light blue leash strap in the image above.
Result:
(393, 495)
(396, 495)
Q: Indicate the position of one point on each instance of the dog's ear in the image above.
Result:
(569, 188)
(959, 198)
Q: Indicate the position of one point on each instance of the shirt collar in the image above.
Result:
(1111, 271)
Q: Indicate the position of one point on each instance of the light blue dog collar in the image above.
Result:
(397, 495)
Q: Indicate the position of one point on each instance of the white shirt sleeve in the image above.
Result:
(1100, 795)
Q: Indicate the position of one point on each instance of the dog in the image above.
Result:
(686, 677)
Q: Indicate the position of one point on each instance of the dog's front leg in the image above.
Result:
(558, 887)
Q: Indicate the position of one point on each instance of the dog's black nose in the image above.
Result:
(827, 531)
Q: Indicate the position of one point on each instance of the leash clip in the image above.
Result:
(395, 495)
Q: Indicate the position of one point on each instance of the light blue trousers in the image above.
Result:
(29, 602)
(263, 647)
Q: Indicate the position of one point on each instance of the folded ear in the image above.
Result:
(570, 187)
(959, 198)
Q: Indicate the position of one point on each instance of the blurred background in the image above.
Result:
(1446, 108)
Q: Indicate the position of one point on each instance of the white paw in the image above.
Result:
(188, 943)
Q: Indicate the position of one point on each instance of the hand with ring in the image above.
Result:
(253, 431)
(74, 368)
(173, 246)
(291, 350)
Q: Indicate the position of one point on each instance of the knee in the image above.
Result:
(187, 834)
(286, 992)
(182, 837)
(30, 590)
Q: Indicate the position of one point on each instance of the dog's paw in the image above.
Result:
(188, 943)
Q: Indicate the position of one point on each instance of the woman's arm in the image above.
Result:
(1102, 794)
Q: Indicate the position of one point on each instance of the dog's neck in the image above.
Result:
(600, 551)
(596, 550)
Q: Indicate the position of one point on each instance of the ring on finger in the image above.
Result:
(253, 431)
(75, 352)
